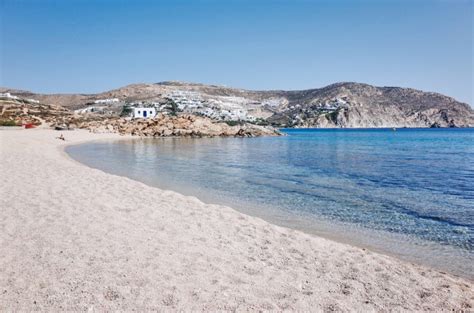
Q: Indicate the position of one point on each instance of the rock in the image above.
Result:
(61, 127)
(185, 125)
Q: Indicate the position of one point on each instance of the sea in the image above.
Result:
(404, 192)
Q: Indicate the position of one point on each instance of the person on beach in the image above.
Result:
(61, 137)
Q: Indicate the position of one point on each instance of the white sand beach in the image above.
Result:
(76, 238)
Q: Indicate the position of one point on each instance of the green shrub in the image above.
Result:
(233, 123)
(7, 123)
(261, 122)
(333, 116)
(171, 106)
(126, 110)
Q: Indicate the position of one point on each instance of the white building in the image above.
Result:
(144, 112)
(32, 100)
(8, 95)
(106, 101)
(91, 109)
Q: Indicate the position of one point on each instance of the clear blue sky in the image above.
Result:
(90, 46)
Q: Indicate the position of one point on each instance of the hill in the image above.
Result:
(338, 105)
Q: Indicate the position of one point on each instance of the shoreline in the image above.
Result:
(398, 245)
(329, 230)
(259, 265)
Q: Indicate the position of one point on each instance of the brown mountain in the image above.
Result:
(337, 105)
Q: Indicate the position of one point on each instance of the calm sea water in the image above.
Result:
(408, 192)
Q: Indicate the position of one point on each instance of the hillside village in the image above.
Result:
(218, 108)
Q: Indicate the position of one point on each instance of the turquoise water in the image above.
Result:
(408, 192)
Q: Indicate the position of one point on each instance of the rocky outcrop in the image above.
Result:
(359, 105)
(173, 126)
(379, 117)
(21, 111)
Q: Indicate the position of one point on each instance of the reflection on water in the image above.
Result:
(408, 192)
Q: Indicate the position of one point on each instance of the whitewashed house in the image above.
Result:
(106, 101)
(144, 112)
(91, 109)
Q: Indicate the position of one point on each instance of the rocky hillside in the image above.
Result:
(184, 125)
(337, 105)
(361, 105)
(18, 111)
(15, 110)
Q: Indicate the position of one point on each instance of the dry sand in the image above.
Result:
(76, 238)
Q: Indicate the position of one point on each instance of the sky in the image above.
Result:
(86, 46)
